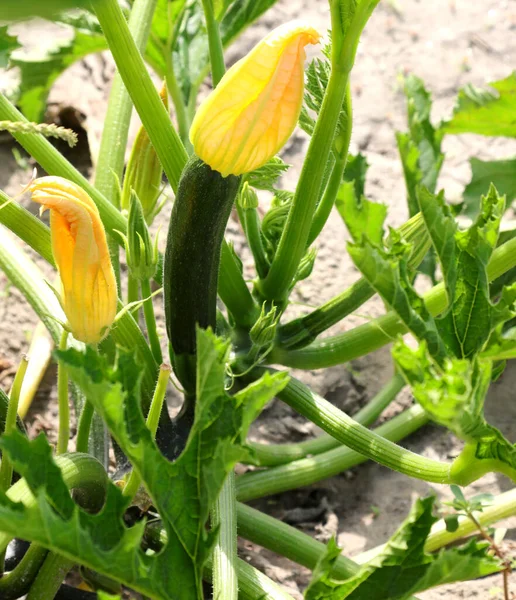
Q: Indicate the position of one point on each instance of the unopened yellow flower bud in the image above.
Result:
(79, 246)
(253, 111)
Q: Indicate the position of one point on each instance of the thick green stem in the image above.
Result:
(150, 321)
(83, 429)
(62, 400)
(50, 577)
(218, 68)
(358, 438)
(287, 541)
(153, 416)
(309, 470)
(271, 455)
(293, 243)
(224, 570)
(6, 468)
(378, 332)
(330, 194)
(17, 583)
(133, 294)
(144, 95)
(110, 164)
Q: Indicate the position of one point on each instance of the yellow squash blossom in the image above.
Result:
(251, 114)
(79, 246)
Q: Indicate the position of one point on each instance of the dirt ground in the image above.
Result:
(446, 42)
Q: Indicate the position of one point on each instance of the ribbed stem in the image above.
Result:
(133, 294)
(223, 516)
(270, 455)
(218, 68)
(144, 95)
(150, 321)
(50, 577)
(62, 400)
(376, 333)
(308, 471)
(358, 438)
(287, 541)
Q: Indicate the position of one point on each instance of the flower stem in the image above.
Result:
(145, 97)
(132, 291)
(293, 243)
(218, 68)
(311, 469)
(177, 99)
(133, 483)
(366, 338)
(224, 572)
(358, 438)
(252, 227)
(50, 577)
(6, 468)
(110, 164)
(62, 400)
(277, 454)
(150, 321)
(83, 429)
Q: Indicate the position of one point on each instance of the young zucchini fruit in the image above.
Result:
(191, 266)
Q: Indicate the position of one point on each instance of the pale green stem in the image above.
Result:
(62, 400)
(218, 68)
(183, 123)
(83, 429)
(293, 243)
(310, 470)
(271, 455)
(223, 516)
(50, 577)
(6, 468)
(150, 321)
(134, 481)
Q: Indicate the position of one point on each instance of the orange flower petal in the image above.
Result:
(81, 253)
(253, 111)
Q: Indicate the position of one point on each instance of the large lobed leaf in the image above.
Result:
(182, 491)
(403, 568)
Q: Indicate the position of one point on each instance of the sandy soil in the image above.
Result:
(446, 42)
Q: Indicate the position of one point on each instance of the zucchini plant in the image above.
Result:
(164, 521)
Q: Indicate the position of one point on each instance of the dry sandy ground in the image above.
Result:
(448, 43)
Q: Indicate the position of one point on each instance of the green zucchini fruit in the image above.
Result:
(191, 265)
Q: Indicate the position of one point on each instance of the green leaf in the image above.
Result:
(165, 18)
(420, 148)
(8, 43)
(363, 218)
(451, 522)
(500, 173)
(403, 568)
(15, 10)
(38, 73)
(355, 172)
(265, 177)
(489, 112)
(182, 491)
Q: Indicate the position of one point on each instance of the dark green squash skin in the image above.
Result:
(191, 265)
